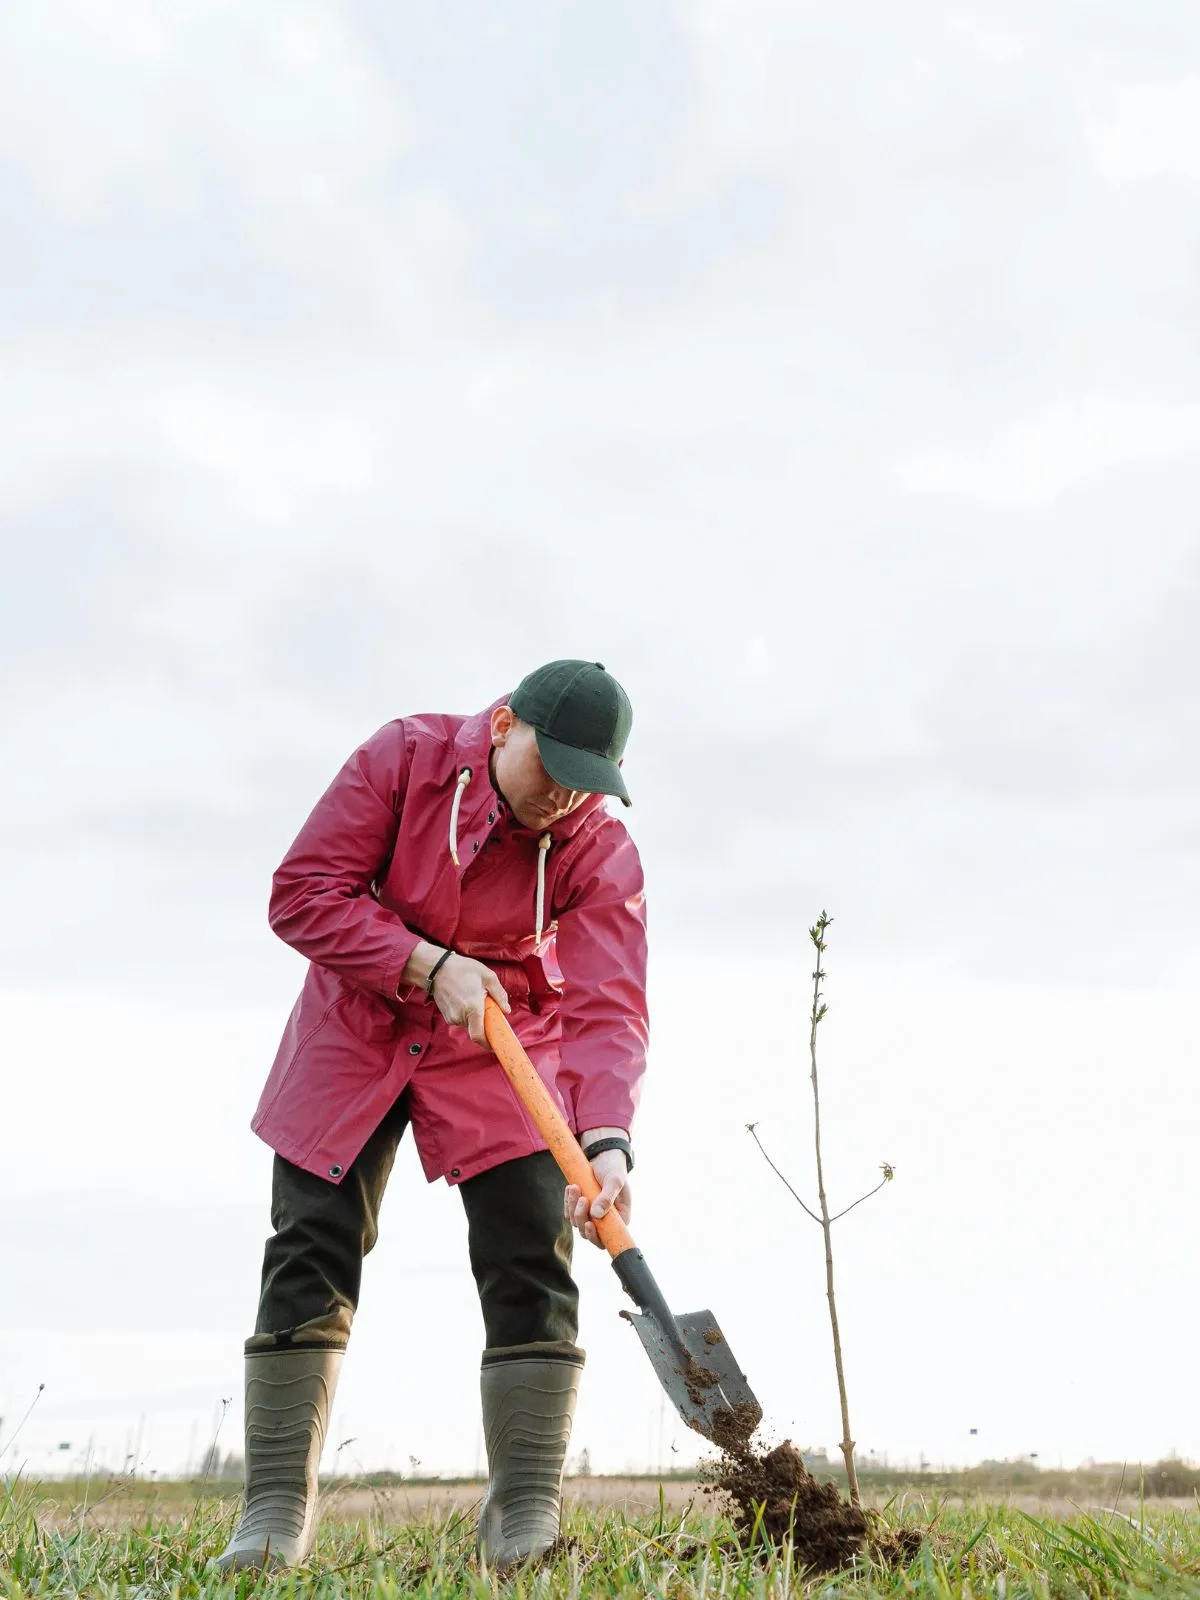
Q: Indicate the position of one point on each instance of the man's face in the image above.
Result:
(533, 796)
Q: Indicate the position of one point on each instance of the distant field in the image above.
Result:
(114, 1501)
(138, 1539)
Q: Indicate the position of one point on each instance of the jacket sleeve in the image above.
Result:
(601, 950)
(321, 899)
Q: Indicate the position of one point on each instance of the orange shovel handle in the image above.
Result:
(551, 1123)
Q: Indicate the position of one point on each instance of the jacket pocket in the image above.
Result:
(367, 1017)
(350, 1040)
(313, 1028)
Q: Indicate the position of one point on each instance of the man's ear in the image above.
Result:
(502, 726)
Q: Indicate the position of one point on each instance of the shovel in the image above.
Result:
(694, 1364)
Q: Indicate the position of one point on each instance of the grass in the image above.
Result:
(49, 1547)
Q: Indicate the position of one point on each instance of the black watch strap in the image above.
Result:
(597, 1146)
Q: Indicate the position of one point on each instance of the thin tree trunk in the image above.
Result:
(827, 1229)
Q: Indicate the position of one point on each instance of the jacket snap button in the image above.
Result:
(335, 1171)
(454, 1172)
(414, 1049)
(491, 816)
(475, 847)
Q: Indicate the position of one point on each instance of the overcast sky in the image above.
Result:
(831, 375)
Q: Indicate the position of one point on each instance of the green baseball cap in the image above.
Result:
(582, 717)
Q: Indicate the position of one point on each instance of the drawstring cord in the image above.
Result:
(544, 844)
(543, 850)
(464, 779)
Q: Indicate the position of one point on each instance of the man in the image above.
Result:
(450, 859)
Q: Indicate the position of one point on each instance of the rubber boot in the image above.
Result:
(529, 1393)
(289, 1395)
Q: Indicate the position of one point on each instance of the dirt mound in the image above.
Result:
(825, 1531)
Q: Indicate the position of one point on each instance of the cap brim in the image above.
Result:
(581, 769)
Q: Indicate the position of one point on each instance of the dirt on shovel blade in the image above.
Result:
(826, 1532)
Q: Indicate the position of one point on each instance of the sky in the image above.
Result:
(831, 374)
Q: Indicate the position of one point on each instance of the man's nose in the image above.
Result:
(564, 799)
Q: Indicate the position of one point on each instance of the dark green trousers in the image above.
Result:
(519, 1243)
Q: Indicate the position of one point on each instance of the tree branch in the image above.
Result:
(888, 1174)
(750, 1127)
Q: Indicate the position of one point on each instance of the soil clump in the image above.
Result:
(826, 1532)
(900, 1547)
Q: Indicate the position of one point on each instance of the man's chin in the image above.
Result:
(537, 820)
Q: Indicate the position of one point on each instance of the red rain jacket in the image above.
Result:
(369, 875)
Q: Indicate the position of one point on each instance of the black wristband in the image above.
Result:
(598, 1145)
(435, 969)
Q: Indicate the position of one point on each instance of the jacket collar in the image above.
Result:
(472, 746)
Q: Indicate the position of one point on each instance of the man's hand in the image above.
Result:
(460, 988)
(610, 1173)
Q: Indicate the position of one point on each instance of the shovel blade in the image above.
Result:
(703, 1380)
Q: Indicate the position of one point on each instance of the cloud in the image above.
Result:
(108, 103)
